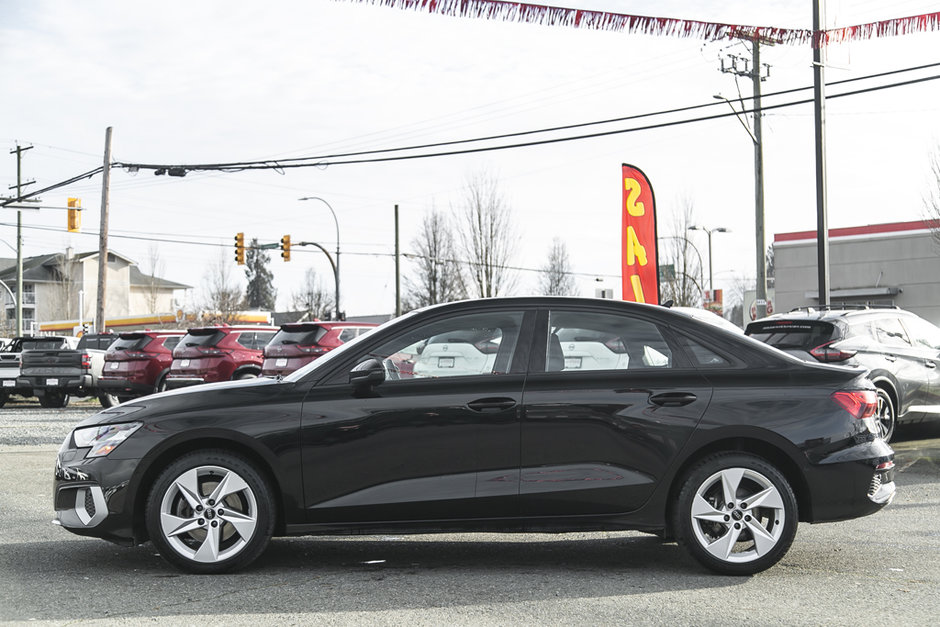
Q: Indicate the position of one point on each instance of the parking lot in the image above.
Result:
(881, 569)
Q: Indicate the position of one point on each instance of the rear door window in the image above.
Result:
(583, 341)
(890, 332)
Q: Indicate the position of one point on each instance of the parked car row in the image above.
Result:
(120, 367)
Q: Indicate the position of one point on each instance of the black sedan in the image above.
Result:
(522, 414)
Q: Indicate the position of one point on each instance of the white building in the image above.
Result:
(55, 284)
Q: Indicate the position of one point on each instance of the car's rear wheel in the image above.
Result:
(245, 375)
(885, 415)
(736, 514)
(4, 397)
(108, 400)
(210, 512)
(54, 400)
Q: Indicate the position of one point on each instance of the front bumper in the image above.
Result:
(90, 496)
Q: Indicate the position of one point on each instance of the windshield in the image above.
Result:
(337, 353)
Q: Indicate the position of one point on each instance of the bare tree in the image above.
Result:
(155, 266)
(685, 285)
(438, 277)
(932, 199)
(223, 298)
(65, 292)
(260, 293)
(487, 237)
(312, 299)
(555, 278)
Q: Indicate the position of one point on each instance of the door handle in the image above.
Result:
(673, 399)
(491, 405)
(891, 358)
(930, 364)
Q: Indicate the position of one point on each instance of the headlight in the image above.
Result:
(104, 438)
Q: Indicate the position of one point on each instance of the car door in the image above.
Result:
(896, 354)
(421, 447)
(597, 441)
(925, 338)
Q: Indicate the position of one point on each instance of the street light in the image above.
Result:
(335, 265)
(717, 229)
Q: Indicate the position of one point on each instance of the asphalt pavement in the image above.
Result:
(879, 570)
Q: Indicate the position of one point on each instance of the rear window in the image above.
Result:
(171, 342)
(132, 343)
(44, 344)
(304, 336)
(209, 337)
(93, 342)
(785, 334)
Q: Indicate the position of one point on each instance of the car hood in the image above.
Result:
(184, 398)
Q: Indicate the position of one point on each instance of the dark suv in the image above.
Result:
(299, 343)
(900, 350)
(138, 362)
(221, 353)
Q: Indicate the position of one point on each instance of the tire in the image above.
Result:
(125, 399)
(245, 375)
(54, 400)
(160, 385)
(108, 400)
(746, 537)
(886, 415)
(183, 510)
(4, 397)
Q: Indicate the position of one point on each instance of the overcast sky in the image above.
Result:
(218, 81)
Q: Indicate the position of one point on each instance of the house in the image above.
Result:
(55, 284)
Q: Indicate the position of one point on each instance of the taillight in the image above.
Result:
(312, 350)
(860, 403)
(211, 350)
(616, 345)
(86, 361)
(829, 353)
(487, 347)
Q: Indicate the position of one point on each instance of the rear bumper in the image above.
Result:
(853, 482)
(181, 382)
(123, 387)
(53, 383)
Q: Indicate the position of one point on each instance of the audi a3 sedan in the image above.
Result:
(697, 434)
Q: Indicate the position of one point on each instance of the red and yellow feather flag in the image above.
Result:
(640, 256)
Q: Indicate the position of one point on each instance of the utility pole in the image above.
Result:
(754, 70)
(819, 99)
(397, 268)
(19, 237)
(100, 322)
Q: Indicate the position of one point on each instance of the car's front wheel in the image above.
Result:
(885, 415)
(210, 512)
(736, 514)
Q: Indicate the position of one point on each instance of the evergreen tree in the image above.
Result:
(260, 293)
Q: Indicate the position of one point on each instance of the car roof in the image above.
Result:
(828, 314)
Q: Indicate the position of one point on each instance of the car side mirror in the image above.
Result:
(367, 374)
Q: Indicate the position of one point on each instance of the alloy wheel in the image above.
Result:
(208, 514)
(887, 420)
(738, 515)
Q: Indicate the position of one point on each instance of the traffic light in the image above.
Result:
(75, 215)
(285, 248)
(240, 249)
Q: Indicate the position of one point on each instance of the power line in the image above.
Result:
(352, 253)
(323, 160)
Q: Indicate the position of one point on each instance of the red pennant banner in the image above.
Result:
(640, 257)
(666, 26)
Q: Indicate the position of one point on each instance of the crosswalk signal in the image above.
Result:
(285, 248)
(240, 249)
(75, 215)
